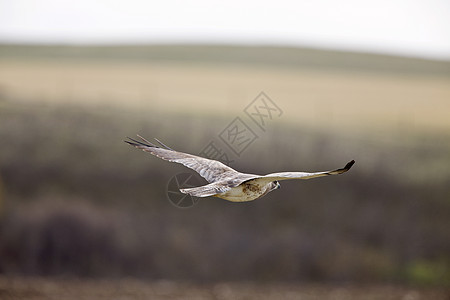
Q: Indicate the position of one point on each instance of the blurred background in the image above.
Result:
(345, 80)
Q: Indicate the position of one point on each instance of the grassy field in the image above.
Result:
(334, 99)
(77, 201)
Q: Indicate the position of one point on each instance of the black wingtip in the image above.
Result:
(128, 142)
(135, 143)
(145, 143)
(349, 165)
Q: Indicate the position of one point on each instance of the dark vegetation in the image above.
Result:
(76, 200)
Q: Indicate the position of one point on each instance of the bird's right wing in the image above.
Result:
(304, 175)
(211, 170)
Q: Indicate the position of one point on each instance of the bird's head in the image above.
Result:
(275, 185)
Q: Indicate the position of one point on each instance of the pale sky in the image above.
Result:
(405, 27)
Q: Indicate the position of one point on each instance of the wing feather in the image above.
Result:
(211, 170)
(306, 175)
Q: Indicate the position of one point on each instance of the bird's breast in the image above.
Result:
(244, 192)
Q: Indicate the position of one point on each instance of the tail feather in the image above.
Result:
(205, 190)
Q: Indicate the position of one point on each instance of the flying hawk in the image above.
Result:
(225, 182)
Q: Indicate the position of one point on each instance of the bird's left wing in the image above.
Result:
(211, 170)
(305, 175)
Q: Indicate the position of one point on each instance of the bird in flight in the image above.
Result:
(225, 182)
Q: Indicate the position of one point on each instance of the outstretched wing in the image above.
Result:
(305, 175)
(211, 170)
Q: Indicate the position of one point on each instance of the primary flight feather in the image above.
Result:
(225, 182)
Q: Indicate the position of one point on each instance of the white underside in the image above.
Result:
(243, 193)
